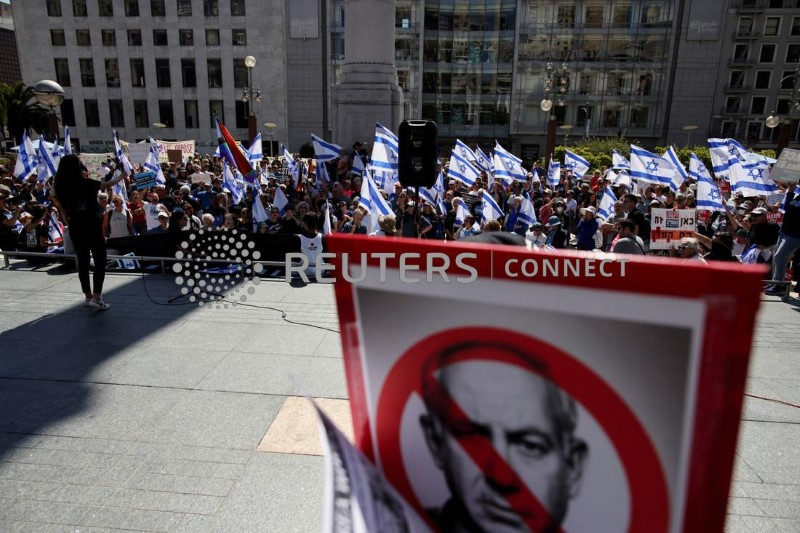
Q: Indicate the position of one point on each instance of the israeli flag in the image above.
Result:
(461, 213)
(436, 193)
(123, 159)
(327, 227)
(462, 170)
(576, 163)
(121, 190)
(323, 150)
(649, 167)
(606, 208)
(151, 164)
(57, 152)
(322, 172)
(358, 166)
(507, 166)
(373, 201)
(280, 201)
(290, 162)
(722, 150)
(385, 162)
(680, 174)
(618, 161)
(128, 264)
(230, 184)
(709, 196)
(47, 166)
(255, 153)
(749, 181)
(490, 209)
(553, 173)
(429, 195)
(483, 161)
(622, 179)
(259, 211)
(465, 151)
(67, 141)
(527, 213)
(27, 160)
(55, 232)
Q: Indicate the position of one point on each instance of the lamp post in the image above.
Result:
(251, 94)
(566, 128)
(556, 82)
(773, 120)
(689, 129)
(50, 94)
(270, 128)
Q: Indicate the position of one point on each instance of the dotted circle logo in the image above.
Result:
(218, 269)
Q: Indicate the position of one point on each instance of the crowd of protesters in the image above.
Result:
(193, 198)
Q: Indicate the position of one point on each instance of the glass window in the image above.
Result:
(79, 8)
(62, 71)
(186, 37)
(116, 113)
(158, 8)
(57, 38)
(190, 113)
(237, 8)
(216, 109)
(741, 52)
(211, 8)
(162, 73)
(767, 54)
(160, 38)
(782, 107)
(753, 131)
(212, 37)
(653, 15)
(241, 114)
(652, 49)
(239, 37)
(83, 38)
(745, 25)
(87, 72)
(729, 128)
(214, 73)
(68, 113)
(239, 74)
(131, 8)
(793, 53)
(112, 72)
(772, 25)
(732, 104)
(140, 117)
(621, 16)
(165, 113)
(184, 8)
(106, 8)
(53, 8)
(188, 73)
(594, 16)
(134, 37)
(758, 105)
(565, 17)
(795, 26)
(763, 78)
(109, 37)
(737, 78)
(787, 82)
(137, 72)
(639, 116)
(92, 113)
(610, 118)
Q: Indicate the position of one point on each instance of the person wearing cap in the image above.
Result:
(9, 218)
(587, 227)
(763, 233)
(535, 236)
(556, 236)
(163, 223)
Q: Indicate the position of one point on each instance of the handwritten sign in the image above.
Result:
(787, 168)
(670, 225)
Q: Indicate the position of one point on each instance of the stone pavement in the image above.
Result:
(168, 418)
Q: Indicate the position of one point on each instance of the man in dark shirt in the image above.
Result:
(789, 239)
(763, 233)
(631, 213)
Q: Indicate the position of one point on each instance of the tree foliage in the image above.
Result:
(20, 111)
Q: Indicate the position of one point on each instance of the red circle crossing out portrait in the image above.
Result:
(649, 495)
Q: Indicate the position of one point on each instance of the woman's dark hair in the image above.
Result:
(67, 178)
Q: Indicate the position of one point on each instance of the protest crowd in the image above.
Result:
(566, 205)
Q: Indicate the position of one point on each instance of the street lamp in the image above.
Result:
(556, 83)
(566, 128)
(250, 95)
(773, 120)
(50, 94)
(270, 128)
(689, 129)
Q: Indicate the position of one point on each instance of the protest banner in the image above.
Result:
(787, 168)
(94, 162)
(669, 226)
(519, 375)
(187, 149)
(145, 180)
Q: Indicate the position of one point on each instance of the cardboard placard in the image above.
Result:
(145, 180)
(175, 156)
(520, 375)
(668, 226)
(787, 168)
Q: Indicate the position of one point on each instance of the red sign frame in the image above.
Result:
(730, 294)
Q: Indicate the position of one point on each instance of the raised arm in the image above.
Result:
(118, 176)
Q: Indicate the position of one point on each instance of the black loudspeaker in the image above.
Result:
(418, 152)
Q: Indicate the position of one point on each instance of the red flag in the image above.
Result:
(239, 159)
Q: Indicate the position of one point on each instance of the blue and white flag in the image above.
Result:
(606, 208)
(722, 150)
(290, 162)
(255, 153)
(680, 174)
(527, 213)
(55, 232)
(489, 210)
(649, 167)
(27, 160)
(47, 166)
(373, 201)
(507, 166)
(709, 196)
(128, 264)
(322, 172)
(57, 152)
(461, 213)
(385, 162)
(358, 166)
(123, 159)
(483, 161)
(618, 161)
(230, 184)
(622, 178)
(67, 141)
(553, 173)
(323, 150)
(259, 211)
(462, 170)
(435, 195)
(576, 163)
(280, 201)
(749, 181)
(151, 164)
(465, 151)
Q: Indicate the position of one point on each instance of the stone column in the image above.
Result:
(367, 91)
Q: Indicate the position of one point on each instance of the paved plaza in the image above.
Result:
(179, 418)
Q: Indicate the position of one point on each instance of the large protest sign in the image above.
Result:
(138, 152)
(187, 149)
(668, 226)
(787, 168)
(145, 180)
(490, 383)
(94, 162)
